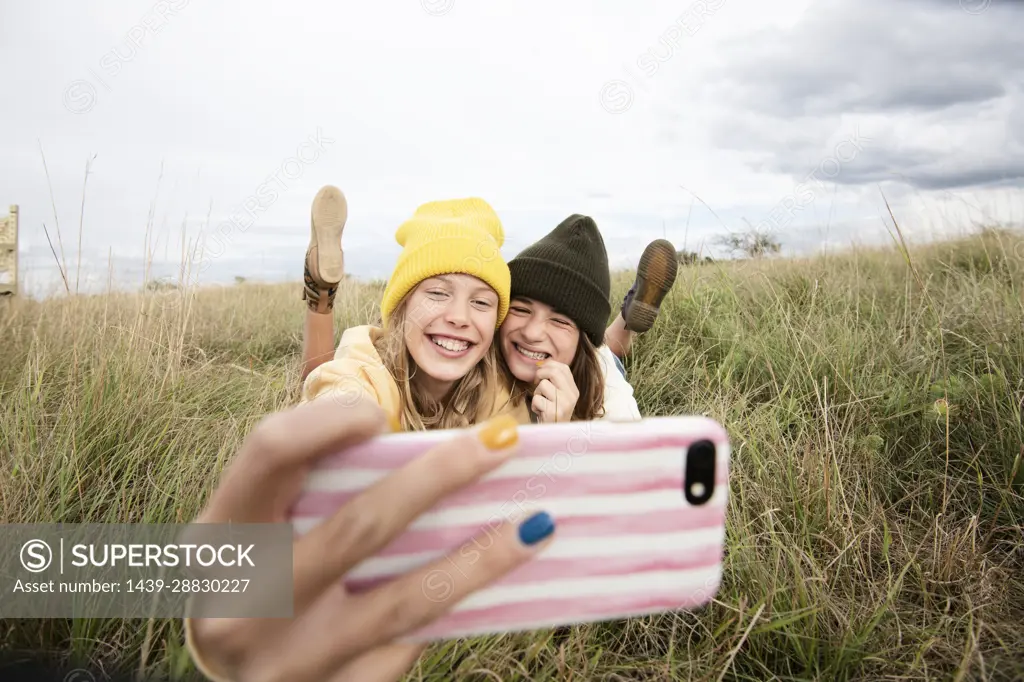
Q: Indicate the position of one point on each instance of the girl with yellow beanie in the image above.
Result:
(431, 364)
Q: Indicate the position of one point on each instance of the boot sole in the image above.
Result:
(329, 213)
(655, 276)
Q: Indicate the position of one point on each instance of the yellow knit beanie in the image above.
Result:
(448, 237)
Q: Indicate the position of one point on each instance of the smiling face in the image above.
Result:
(534, 331)
(450, 324)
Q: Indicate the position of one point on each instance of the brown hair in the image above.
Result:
(465, 403)
(586, 372)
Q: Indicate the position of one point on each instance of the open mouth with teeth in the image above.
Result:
(450, 347)
(532, 355)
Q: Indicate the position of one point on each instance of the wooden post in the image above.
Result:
(9, 253)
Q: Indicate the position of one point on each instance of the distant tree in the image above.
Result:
(753, 243)
(161, 285)
(691, 258)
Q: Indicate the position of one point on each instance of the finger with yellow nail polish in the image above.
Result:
(500, 433)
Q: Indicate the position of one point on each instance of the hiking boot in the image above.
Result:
(654, 278)
(325, 263)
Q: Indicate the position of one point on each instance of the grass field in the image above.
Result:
(874, 400)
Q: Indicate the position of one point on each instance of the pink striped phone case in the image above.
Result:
(628, 541)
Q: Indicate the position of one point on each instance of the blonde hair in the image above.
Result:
(464, 404)
(586, 372)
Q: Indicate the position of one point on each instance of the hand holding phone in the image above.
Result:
(640, 511)
(332, 634)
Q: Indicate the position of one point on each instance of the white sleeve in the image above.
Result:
(619, 404)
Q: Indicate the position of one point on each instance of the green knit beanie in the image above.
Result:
(568, 270)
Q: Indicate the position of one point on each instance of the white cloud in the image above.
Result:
(497, 100)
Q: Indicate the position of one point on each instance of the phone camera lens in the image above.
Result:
(699, 480)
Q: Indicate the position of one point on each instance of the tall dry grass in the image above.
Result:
(874, 400)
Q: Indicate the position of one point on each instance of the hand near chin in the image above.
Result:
(555, 394)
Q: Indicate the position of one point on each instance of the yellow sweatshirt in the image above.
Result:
(357, 369)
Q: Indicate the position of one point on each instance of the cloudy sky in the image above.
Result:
(657, 118)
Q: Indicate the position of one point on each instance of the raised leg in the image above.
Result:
(324, 270)
(317, 341)
(619, 339)
(655, 275)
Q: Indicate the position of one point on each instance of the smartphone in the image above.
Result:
(639, 511)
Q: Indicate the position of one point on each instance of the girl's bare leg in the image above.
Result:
(618, 339)
(324, 270)
(317, 341)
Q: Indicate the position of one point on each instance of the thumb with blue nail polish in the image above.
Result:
(536, 529)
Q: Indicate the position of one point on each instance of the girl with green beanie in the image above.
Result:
(555, 342)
